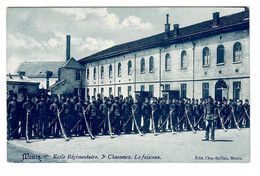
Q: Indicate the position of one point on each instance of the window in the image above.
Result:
(151, 60)
(167, 87)
(220, 54)
(167, 62)
(142, 88)
(237, 52)
(183, 90)
(82, 92)
(118, 91)
(76, 91)
(205, 56)
(77, 74)
(94, 91)
(95, 73)
(119, 69)
(142, 65)
(88, 73)
(184, 59)
(236, 90)
(102, 91)
(151, 90)
(205, 90)
(110, 71)
(129, 91)
(102, 72)
(87, 91)
(110, 91)
(129, 67)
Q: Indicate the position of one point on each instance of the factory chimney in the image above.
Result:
(68, 48)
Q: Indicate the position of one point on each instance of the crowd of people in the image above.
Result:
(46, 117)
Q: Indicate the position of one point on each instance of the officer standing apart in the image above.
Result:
(210, 124)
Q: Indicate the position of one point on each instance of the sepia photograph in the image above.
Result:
(128, 84)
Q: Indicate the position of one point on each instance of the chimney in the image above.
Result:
(167, 25)
(215, 18)
(176, 29)
(68, 48)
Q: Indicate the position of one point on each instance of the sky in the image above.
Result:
(39, 34)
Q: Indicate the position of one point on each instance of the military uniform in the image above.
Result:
(13, 118)
(94, 118)
(188, 113)
(181, 114)
(154, 108)
(136, 111)
(247, 114)
(29, 107)
(79, 114)
(115, 117)
(42, 114)
(174, 113)
(146, 112)
(210, 124)
(126, 113)
(68, 116)
(54, 114)
(164, 114)
(103, 114)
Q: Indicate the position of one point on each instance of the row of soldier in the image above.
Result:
(44, 117)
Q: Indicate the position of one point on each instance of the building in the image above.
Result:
(21, 85)
(37, 71)
(210, 58)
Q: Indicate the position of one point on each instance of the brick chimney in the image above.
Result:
(176, 29)
(215, 18)
(68, 48)
(167, 25)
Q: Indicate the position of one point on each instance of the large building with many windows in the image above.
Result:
(210, 58)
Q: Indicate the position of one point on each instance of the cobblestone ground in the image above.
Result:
(230, 146)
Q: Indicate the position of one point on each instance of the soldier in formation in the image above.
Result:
(47, 117)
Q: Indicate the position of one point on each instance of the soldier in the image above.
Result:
(62, 100)
(218, 114)
(127, 116)
(94, 119)
(115, 114)
(188, 113)
(146, 112)
(154, 108)
(28, 107)
(240, 113)
(247, 114)
(79, 108)
(49, 120)
(55, 106)
(22, 114)
(210, 124)
(42, 116)
(67, 108)
(225, 113)
(174, 113)
(136, 112)
(103, 114)
(12, 118)
(164, 113)
(181, 114)
(196, 113)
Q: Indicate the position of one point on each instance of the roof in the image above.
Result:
(20, 79)
(56, 84)
(204, 28)
(38, 69)
(72, 63)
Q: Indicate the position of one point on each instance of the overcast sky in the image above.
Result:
(39, 34)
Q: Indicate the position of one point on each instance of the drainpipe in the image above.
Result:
(115, 77)
(160, 64)
(193, 70)
(135, 75)
(98, 77)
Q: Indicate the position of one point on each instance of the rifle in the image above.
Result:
(232, 110)
(76, 124)
(171, 121)
(102, 122)
(153, 125)
(135, 122)
(87, 125)
(164, 122)
(179, 121)
(189, 122)
(27, 123)
(126, 122)
(61, 126)
(247, 113)
(221, 120)
(195, 125)
(109, 124)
